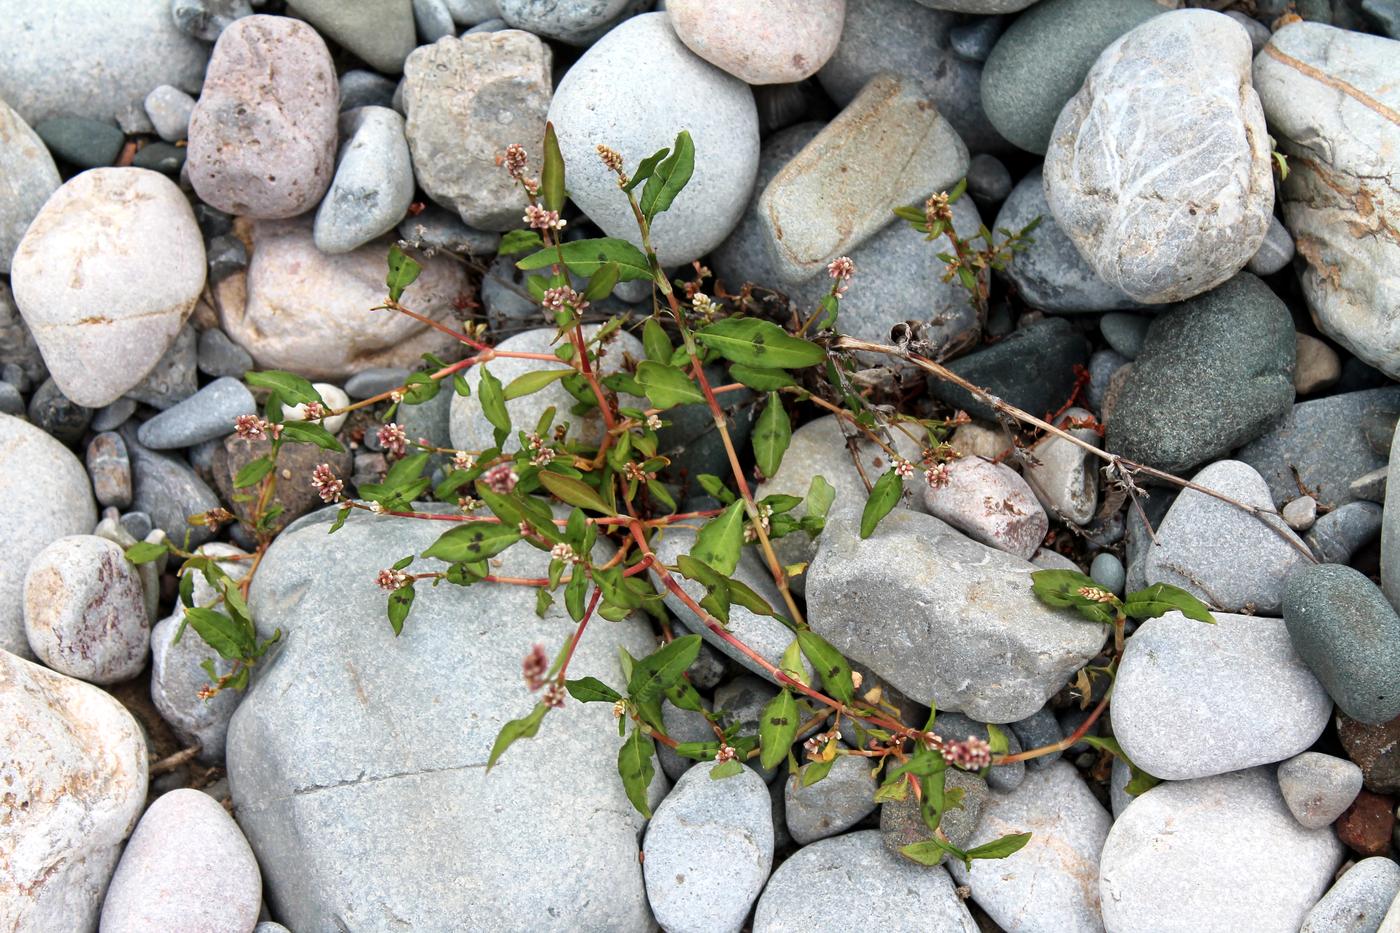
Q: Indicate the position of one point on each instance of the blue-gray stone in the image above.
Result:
(1107, 571)
(435, 228)
(1125, 332)
(1038, 730)
(373, 184)
(206, 19)
(1155, 504)
(1357, 903)
(57, 414)
(951, 726)
(217, 355)
(136, 524)
(11, 402)
(832, 805)
(692, 441)
(1102, 365)
(361, 87)
(974, 41)
(573, 22)
(1322, 444)
(368, 383)
(490, 25)
(160, 157)
(1349, 636)
(207, 414)
(433, 19)
(166, 489)
(1213, 373)
(988, 180)
(1275, 252)
(169, 109)
(1032, 369)
(173, 379)
(1338, 535)
(82, 141)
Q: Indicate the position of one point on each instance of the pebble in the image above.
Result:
(368, 383)
(1322, 444)
(1125, 332)
(1049, 273)
(204, 416)
(1375, 749)
(262, 139)
(974, 41)
(832, 805)
(165, 158)
(110, 469)
(573, 22)
(1179, 76)
(761, 42)
(11, 402)
(60, 848)
(1367, 824)
(1301, 513)
(1192, 699)
(1103, 366)
(373, 183)
(166, 489)
(1107, 571)
(332, 397)
(1214, 373)
(472, 12)
(1390, 531)
(45, 495)
(29, 177)
(433, 19)
(708, 851)
(467, 100)
(295, 463)
(435, 229)
(802, 892)
(1043, 57)
(136, 524)
(1221, 554)
(57, 414)
(683, 725)
(1318, 787)
(952, 726)
(902, 821)
(1051, 883)
(1221, 852)
(312, 314)
(360, 87)
(691, 441)
(959, 626)
(169, 109)
(741, 702)
(721, 118)
(1318, 366)
(1038, 730)
(1258, 36)
(187, 866)
(1330, 101)
(1358, 901)
(84, 610)
(220, 356)
(381, 34)
(988, 180)
(1368, 487)
(126, 239)
(1063, 475)
(902, 38)
(21, 363)
(81, 141)
(1349, 635)
(839, 189)
(206, 19)
(990, 503)
(174, 378)
(227, 255)
(1276, 252)
(91, 58)
(1033, 369)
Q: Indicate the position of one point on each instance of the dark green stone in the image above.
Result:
(1032, 369)
(81, 141)
(160, 157)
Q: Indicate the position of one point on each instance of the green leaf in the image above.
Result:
(829, 665)
(586, 257)
(400, 601)
(634, 765)
(929, 852)
(574, 492)
(222, 633)
(293, 389)
(764, 380)
(737, 591)
(755, 342)
(253, 471)
(814, 771)
(493, 402)
(1067, 589)
(657, 344)
(306, 432)
(1161, 598)
(721, 540)
(777, 728)
(884, 496)
(402, 272)
(669, 177)
(518, 241)
(1000, 848)
(552, 175)
(933, 804)
(771, 435)
(820, 495)
(602, 283)
(667, 387)
(646, 167)
(726, 769)
(574, 594)
(473, 541)
(662, 668)
(516, 729)
(143, 552)
(533, 381)
(591, 690)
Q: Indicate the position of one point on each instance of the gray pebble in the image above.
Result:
(973, 41)
(362, 88)
(227, 254)
(1125, 332)
(169, 109)
(433, 19)
(205, 19)
(1337, 536)
(166, 489)
(1258, 38)
(1369, 487)
(435, 228)
(85, 142)
(373, 183)
(110, 469)
(133, 120)
(708, 670)
(1301, 513)
(207, 414)
(173, 379)
(988, 181)
(1318, 787)
(11, 402)
(1357, 903)
(1102, 365)
(902, 823)
(1038, 730)
(1107, 571)
(956, 726)
(371, 382)
(58, 415)
(742, 700)
(1275, 253)
(110, 417)
(217, 355)
(162, 157)
(832, 805)
(490, 25)
(136, 524)
(683, 725)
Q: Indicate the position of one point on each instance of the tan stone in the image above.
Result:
(1318, 366)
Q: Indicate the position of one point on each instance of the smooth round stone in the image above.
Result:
(1125, 332)
(207, 414)
(1220, 853)
(892, 890)
(313, 314)
(162, 157)
(1318, 787)
(1041, 61)
(205, 19)
(262, 137)
(1301, 513)
(988, 180)
(1107, 571)
(1192, 699)
(760, 41)
(169, 109)
(92, 58)
(370, 382)
(174, 378)
(832, 805)
(45, 495)
(974, 41)
(683, 725)
(332, 397)
(902, 38)
(380, 33)
(1063, 475)
(467, 100)
(433, 19)
(434, 228)
(991, 503)
(120, 239)
(1033, 369)
(573, 22)
(1318, 366)
(721, 118)
(80, 141)
(187, 866)
(472, 12)
(220, 356)
(11, 402)
(1190, 205)
(360, 87)
(1214, 373)
(373, 183)
(1275, 253)
(741, 703)
(1039, 730)
(708, 851)
(1103, 366)
(980, 7)
(27, 177)
(57, 414)
(166, 489)
(1349, 636)
(60, 847)
(84, 610)
(110, 469)
(1358, 901)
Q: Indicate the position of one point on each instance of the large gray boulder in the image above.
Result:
(347, 732)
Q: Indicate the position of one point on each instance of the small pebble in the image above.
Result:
(169, 109)
(1318, 787)
(58, 415)
(207, 414)
(332, 397)
(82, 141)
(110, 417)
(1318, 366)
(11, 402)
(988, 181)
(163, 157)
(368, 383)
(974, 41)
(1358, 901)
(1370, 486)
(217, 355)
(206, 19)
(1125, 332)
(1276, 251)
(137, 524)
(1107, 571)
(110, 469)
(362, 88)
(1301, 513)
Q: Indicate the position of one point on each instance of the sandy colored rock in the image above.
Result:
(761, 41)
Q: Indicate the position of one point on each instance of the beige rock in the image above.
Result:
(978, 440)
(990, 503)
(1318, 366)
(761, 41)
(74, 771)
(1065, 476)
(313, 313)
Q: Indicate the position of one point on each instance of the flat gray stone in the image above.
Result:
(435, 229)
(166, 489)
(902, 821)
(174, 378)
(373, 184)
(951, 622)
(832, 805)
(1192, 699)
(575, 22)
(27, 177)
(1318, 787)
(382, 33)
(1032, 368)
(1337, 536)
(1357, 903)
(220, 356)
(204, 416)
(1063, 475)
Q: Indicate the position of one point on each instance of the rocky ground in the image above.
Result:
(192, 189)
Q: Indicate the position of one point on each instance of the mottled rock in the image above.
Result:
(121, 240)
(373, 183)
(288, 109)
(295, 463)
(902, 821)
(58, 415)
(1033, 369)
(436, 228)
(1366, 826)
(1318, 787)
(1063, 475)
(380, 33)
(760, 41)
(169, 109)
(575, 22)
(1375, 749)
(1357, 902)
(990, 503)
(167, 490)
(205, 19)
(27, 177)
(110, 469)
